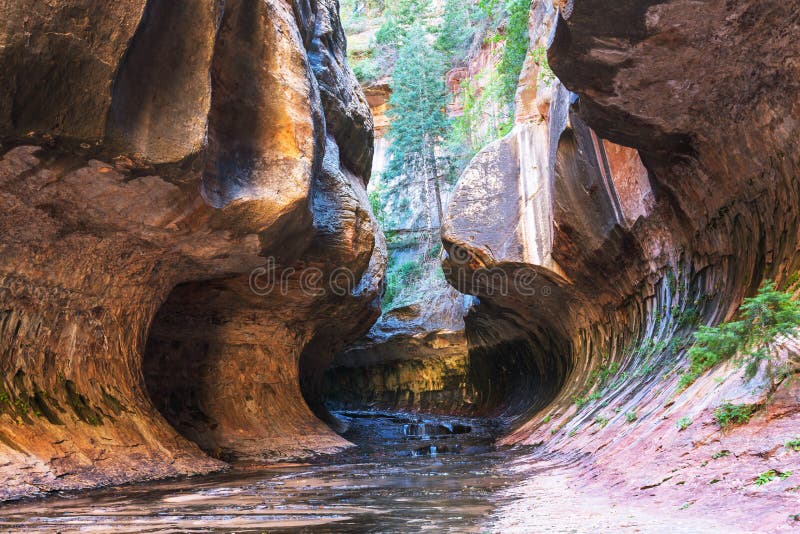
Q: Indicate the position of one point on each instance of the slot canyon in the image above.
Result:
(250, 282)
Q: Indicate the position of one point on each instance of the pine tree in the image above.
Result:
(417, 110)
(401, 16)
(457, 28)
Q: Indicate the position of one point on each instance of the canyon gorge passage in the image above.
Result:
(396, 265)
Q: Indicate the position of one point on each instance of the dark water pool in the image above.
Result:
(408, 474)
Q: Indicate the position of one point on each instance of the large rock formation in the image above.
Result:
(647, 194)
(415, 358)
(184, 232)
(642, 195)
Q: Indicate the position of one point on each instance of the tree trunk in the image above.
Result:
(434, 173)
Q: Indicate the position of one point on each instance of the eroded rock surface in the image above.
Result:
(646, 192)
(415, 358)
(148, 200)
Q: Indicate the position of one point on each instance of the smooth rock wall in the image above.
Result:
(139, 192)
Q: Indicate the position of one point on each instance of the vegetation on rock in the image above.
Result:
(727, 414)
(764, 318)
(768, 476)
(683, 423)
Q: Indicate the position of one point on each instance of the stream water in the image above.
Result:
(409, 473)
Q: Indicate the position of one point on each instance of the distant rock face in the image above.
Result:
(156, 176)
(646, 192)
(414, 358)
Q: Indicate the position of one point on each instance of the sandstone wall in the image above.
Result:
(153, 155)
(654, 183)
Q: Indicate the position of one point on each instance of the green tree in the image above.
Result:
(417, 111)
(457, 28)
(400, 17)
(763, 318)
(516, 46)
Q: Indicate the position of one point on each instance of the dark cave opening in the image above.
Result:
(179, 360)
(222, 365)
(505, 373)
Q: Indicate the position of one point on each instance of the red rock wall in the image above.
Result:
(138, 193)
(617, 247)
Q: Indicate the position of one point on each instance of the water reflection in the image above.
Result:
(408, 474)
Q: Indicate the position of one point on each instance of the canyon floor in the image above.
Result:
(408, 473)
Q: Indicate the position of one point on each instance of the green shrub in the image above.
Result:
(400, 16)
(366, 70)
(546, 74)
(456, 30)
(688, 317)
(683, 423)
(712, 345)
(631, 417)
(728, 414)
(399, 276)
(580, 402)
(516, 47)
(771, 313)
(768, 476)
(601, 420)
(597, 380)
(793, 444)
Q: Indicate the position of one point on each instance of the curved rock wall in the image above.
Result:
(415, 358)
(601, 256)
(146, 200)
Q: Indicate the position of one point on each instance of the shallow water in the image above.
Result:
(408, 474)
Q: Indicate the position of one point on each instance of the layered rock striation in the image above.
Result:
(415, 358)
(185, 235)
(645, 191)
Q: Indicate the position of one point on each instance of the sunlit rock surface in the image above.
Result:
(157, 160)
(415, 358)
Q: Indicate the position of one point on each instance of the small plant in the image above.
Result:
(597, 381)
(572, 432)
(720, 454)
(728, 414)
(646, 369)
(365, 70)
(793, 444)
(683, 423)
(546, 74)
(672, 282)
(768, 476)
(22, 406)
(771, 313)
(631, 417)
(688, 317)
(580, 402)
(601, 420)
(546, 419)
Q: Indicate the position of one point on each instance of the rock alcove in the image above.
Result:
(149, 167)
